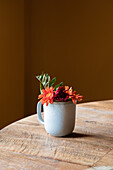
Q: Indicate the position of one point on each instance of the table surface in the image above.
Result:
(25, 144)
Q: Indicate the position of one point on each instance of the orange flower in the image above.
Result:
(69, 90)
(73, 94)
(79, 98)
(47, 96)
(66, 89)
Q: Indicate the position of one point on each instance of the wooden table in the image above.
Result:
(25, 145)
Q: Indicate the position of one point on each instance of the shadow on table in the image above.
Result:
(77, 135)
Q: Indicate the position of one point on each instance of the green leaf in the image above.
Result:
(49, 80)
(52, 82)
(46, 84)
(38, 77)
(61, 84)
(43, 78)
(56, 87)
(41, 88)
(46, 76)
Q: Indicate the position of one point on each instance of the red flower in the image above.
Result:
(61, 95)
(47, 96)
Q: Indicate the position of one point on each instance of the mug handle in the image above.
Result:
(39, 113)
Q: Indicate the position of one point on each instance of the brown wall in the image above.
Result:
(72, 40)
(11, 61)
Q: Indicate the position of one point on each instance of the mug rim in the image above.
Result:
(62, 103)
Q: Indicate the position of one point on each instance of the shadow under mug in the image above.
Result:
(59, 117)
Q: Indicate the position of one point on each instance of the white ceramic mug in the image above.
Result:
(59, 117)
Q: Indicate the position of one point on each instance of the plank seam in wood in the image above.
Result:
(47, 158)
(66, 161)
(101, 158)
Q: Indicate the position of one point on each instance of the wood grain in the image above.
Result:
(26, 144)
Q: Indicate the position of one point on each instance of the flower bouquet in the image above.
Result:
(59, 106)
